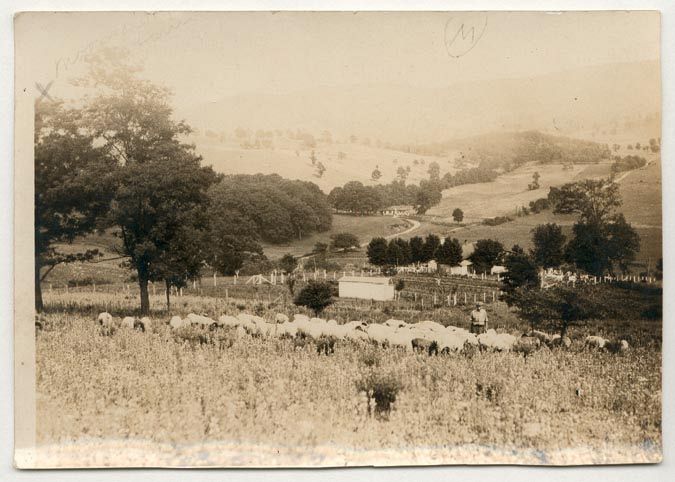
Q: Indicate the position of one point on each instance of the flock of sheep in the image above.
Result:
(425, 336)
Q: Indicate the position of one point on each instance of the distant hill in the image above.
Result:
(588, 99)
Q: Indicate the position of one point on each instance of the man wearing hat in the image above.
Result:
(479, 319)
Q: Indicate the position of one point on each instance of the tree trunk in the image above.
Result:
(145, 298)
(168, 295)
(39, 305)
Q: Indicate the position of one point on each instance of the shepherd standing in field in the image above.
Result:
(479, 319)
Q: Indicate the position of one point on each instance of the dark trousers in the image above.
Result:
(477, 329)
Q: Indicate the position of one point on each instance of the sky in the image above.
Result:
(204, 57)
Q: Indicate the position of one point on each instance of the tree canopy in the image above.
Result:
(486, 254)
(73, 187)
(549, 245)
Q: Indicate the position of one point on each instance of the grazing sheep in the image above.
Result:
(128, 322)
(430, 325)
(144, 324)
(106, 323)
(281, 318)
(593, 341)
(201, 321)
(401, 338)
(540, 335)
(450, 342)
(527, 345)
(379, 334)
(356, 333)
(105, 319)
(228, 321)
(392, 323)
(562, 342)
(619, 346)
(496, 341)
(288, 329)
(423, 345)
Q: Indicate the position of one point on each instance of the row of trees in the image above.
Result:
(118, 161)
(627, 163)
(356, 198)
(400, 252)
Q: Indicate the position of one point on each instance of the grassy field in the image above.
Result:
(503, 195)
(225, 400)
(292, 160)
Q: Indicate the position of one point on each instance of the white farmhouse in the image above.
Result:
(498, 269)
(377, 288)
(399, 211)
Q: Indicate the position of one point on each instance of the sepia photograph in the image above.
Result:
(337, 239)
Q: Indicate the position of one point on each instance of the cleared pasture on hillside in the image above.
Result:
(292, 160)
(500, 197)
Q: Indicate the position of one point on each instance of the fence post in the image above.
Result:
(483, 296)
(227, 295)
(215, 283)
(474, 298)
(454, 299)
(181, 291)
(465, 297)
(493, 297)
(50, 287)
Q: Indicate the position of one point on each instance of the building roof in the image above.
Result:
(373, 280)
(398, 208)
(465, 262)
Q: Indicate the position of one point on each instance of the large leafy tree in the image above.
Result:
(450, 252)
(598, 247)
(398, 252)
(416, 249)
(431, 245)
(549, 245)
(73, 187)
(602, 239)
(377, 251)
(486, 254)
(593, 200)
(521, 271)
(159, 178)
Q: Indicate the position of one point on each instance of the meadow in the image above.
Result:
(228, 399)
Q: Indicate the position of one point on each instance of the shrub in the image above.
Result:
(382, 388)
(316, 295)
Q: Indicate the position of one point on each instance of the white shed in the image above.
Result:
(462, 269)
(498, 269)
(378, 288)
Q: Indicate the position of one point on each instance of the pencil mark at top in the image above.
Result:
(462, 33)
(129, 33)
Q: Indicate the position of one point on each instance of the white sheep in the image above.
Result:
(281, 318)
(228, 321)
(401, 338)
(128, 322)
(392, 323)
(497, 341)
(430, 325)
(144, 324)
(379, 333)
(201, 321)
(593, 341)
(105, 319)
